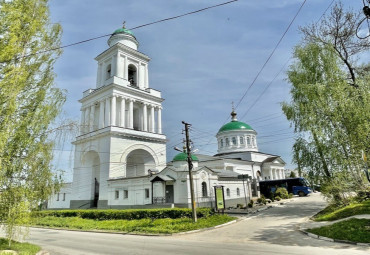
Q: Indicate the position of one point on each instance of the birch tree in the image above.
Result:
(29, 102)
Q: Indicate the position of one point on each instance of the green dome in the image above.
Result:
(184, 157)
(123, 31)
(235, 125)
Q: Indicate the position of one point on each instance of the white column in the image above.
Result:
(126, 69)
(123, 112)
(113, 66)
(146, 76)
(87, 120)
(119, 70)
(159, 121)
(282, 174)
(113, 112)
(82, 123)
(131, 114)
(98, 76)
(107, 112)
(92, 118)
(152, 123)
(101, 114)
(145, 117)
(270, 172)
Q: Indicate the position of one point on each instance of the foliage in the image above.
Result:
(29, 104)
(330, 118)
(261, 200)
(292, 174)
(147, 225)
(277, 198)
(250, 204)
(20, 248)
(290, 195)
(131, 214)
(282, 193)
(334, 213)
(355, 230)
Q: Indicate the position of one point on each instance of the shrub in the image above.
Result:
(290, 195)
(282, 193)
(130, 214)
(277, 198)
(239, 206)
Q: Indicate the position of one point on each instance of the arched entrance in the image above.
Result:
(138, 162)
(92, 163)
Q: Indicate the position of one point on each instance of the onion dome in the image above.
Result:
(234, 124)
(125, 37)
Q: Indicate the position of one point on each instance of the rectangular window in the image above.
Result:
(64, 196)
(241, 140)
(125, 193)
(222, 143)
(146, 193)
(58, 197)
(116, 194)
(227, 142)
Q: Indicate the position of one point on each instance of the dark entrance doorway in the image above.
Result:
(169, 193)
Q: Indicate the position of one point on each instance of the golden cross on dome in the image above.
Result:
(123, 24)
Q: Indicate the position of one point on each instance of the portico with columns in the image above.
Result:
(121, 125)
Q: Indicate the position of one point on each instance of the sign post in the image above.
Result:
(243, 177)
(220, 198)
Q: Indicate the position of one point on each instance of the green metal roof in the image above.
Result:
(124, 31)
(235, 125)
(184, 157)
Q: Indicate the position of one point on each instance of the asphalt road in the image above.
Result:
(273, 231)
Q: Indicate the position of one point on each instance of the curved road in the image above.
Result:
(273, 231)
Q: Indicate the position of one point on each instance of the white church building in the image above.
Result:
(120, 153)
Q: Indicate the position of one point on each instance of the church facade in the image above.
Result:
(120, 153)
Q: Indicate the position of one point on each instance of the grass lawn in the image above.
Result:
(356, 230)
(147, 226)
(21, 248)
(331, 213)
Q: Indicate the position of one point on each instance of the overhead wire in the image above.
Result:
(133, 28)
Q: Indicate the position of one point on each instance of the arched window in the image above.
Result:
(248, 140)
(132, 75)
(234, 140)
(222, 143)
(204, 189)
(228, 192)
(108, 72)
(227, 142)
(238, 192)
(253, 141)
(241, 140)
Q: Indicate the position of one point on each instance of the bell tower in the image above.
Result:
(121, 123)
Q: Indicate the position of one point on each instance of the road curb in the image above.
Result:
(331, 239)
(205, 229)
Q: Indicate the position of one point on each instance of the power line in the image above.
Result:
(140, 26)
(254, 103)
(272, 53)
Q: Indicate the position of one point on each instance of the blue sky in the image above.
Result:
(201, 62)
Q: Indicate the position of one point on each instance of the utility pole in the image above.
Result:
(190, 166)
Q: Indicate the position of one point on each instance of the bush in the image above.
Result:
(239, 206)
(277, 198)
(130, 214)
(290, 195)
(282, 193)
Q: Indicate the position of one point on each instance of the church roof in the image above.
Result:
(235, 125)
(184, 157)
(123, 31)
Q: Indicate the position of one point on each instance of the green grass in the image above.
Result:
(355, 230)
(331, 213)
(21, 248)
(147, 226)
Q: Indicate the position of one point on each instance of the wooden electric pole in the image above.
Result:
(190, 166)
